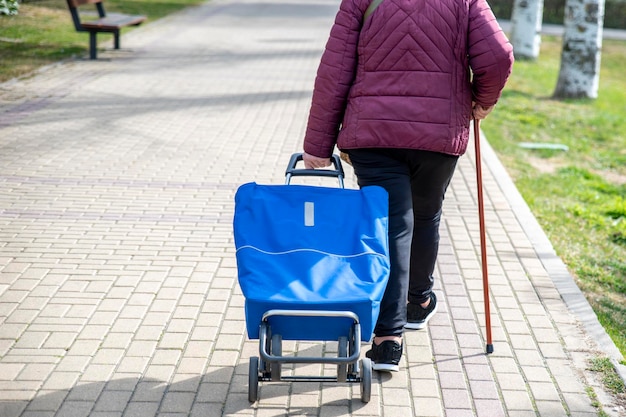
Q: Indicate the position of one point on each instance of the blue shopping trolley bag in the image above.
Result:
(305, 247)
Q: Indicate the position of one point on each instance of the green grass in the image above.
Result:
(43, 33)
(578, 195)
(610, 378)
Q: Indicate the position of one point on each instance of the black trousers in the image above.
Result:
(416, 182)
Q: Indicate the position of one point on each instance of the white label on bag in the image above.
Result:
(309, 213)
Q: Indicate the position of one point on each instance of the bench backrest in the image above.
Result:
(73, 6)
(77, 3)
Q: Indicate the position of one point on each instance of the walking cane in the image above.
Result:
(483, 240)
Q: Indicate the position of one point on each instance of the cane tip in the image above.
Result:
(489, 348)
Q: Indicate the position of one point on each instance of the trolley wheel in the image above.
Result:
(264, 367)
(277, 350)
(342, 352)
(253, 379)
(366, 380)
(353, 368)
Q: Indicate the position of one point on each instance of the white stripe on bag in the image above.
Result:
(309, 213)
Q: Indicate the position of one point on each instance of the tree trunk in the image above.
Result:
(9, 7)
(579, 75)
(525, 28)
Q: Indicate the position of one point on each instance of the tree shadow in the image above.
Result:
(220, 391)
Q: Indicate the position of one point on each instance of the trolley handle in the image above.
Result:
(292, 171)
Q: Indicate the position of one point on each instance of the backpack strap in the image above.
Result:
(373, 5)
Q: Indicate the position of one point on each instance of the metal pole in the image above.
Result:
(483, 239)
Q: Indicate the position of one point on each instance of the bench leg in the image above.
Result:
(116, 39)
(93, 45)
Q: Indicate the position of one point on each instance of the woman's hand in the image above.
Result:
(312, 162)
(479, 112)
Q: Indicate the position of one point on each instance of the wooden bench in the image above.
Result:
(109, 23)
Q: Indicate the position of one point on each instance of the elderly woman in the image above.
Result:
(397, 86)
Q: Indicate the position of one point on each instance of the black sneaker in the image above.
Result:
(386, 356)
(417, 316)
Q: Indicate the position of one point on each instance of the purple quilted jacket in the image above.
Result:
(407, 78)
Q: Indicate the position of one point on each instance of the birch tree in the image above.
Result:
(579, 75)
(9, 7)
(526, 27)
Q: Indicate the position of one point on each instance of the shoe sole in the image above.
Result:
(385, 367)
(415, 326)
(421, 325)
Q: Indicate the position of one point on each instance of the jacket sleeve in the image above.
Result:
(334, 78)
(490, 54)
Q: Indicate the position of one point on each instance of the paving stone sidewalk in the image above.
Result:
(118, 285)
